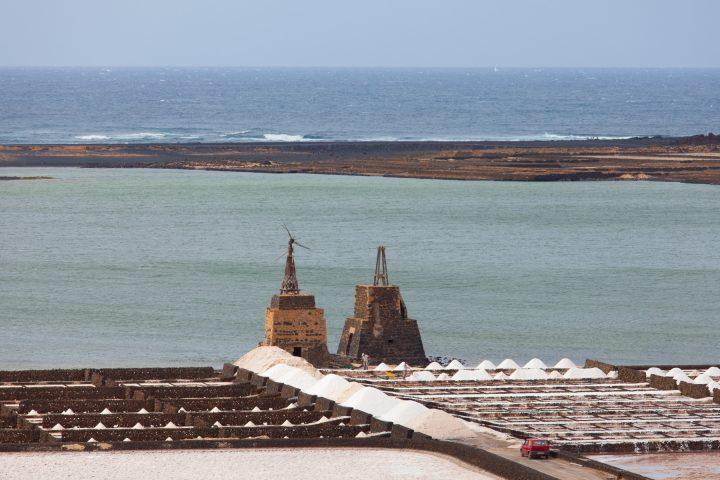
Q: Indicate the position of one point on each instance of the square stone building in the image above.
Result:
(380, 326)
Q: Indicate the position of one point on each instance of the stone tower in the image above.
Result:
(380, 326)
(293, 322)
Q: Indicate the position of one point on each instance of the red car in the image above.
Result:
(535, 447)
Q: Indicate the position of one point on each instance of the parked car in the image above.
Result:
(535, 447)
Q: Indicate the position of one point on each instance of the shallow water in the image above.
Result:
(159, 267)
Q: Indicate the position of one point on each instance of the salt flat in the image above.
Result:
(297, 463)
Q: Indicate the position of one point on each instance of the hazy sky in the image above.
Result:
(459, 33)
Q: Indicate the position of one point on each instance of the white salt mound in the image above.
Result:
(57, 426)
(276, 371)
(371, 400)
(472, 375)
(100, 426)
(612, 374)
(401, 366)
(434, 366)
(217, 424)
(555, 374)
(443, 376)
(68, 412)
(702, 378)
(249, 424)
(126, 439)
(712, 386)
(262, 358)
(565, 363)
(508, 364)
(105, 411)
(382, 368)
(422, 376)
(404, 413)
(331, 386)
(581, 373)
(215, 410)
(255, 409)
(287, 423)
(487, 365)
(138, 426)
(32, 412)
(92, 440)
(535, 363)
(654, 371)
(352, 389)
(674, 371)
(682, 377)
(712, 372)
(299, 378)
(441, 425)
(169, 439)
(529, 374)
(454, 365)
(500, 376)
(170, 425)
(142, 410)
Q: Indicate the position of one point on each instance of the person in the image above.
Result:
(365, 361)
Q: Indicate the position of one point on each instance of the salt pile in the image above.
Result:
(255, 409)
(142, 410)
(529, 374)
(169, 439)
(126, 439)
(57, 426)
(565, 363)
(170, 425)
(33, 412)
(249, 424)
(454, 365)
(298, 378)
(92, 440)
(582, 373)
(654, 371)
(555, 375)
(262, 358)
(401, 366)
(712, 386)
(382, 368)
(441, 425)
(434, 366)
(331, 387)
(100, 426)
(487, 365)
(68, 412)
(674, 371)
(138, 426)
(371, 400)
(106, 411)
(443, 376)
(612, 374)
(682, 377)
(471, 375)
(404, 413)
(500, 376)
(508, 364)
(287, 423)
(422, 376)
(276, 371)
(702, 378)
(535, 363)
(712, 372)
(217, 424)
(214, 410)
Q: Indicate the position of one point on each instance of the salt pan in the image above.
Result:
(441, 425)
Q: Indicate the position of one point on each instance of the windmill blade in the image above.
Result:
(281, 256)
(301, 245)
(287, 230)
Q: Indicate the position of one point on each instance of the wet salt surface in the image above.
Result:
(669, 466)
(297, 463)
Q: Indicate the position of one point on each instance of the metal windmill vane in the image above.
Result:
(289, 285)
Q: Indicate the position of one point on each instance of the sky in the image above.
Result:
(366, 33)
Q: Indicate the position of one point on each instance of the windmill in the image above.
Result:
(289, 285)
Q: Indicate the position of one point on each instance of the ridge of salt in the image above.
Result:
(654, 371)
(682, 377)
(454, 365)
(535, 363)
(68, 412)
(529, 374)
(287, 423)
(422, 376)
(214, 410)
(92, 440)
(170, 425)
(584, 373)
(330, 386)
(249, 424)
(486, 365)
(100, 426)
(126, 439)
(555, 375)
(702, 378)
(381, 368)
(361, 434)
(371, 400)
(142, 410)
(500, 376)
(565, 363)
(712, 372)
(674, 371)
(105, 411)
(404, 412)
(508, 364)
(477, 374)
(256, 409)
(138, 426)
(433, 366)
(291, 406)
(57, 426)
(168, 439)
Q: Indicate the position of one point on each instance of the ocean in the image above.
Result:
(135, 105)
(160, 267)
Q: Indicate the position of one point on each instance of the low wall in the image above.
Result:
(54, 375)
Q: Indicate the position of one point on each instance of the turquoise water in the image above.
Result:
(161, 267)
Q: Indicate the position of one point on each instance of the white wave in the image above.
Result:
(92, 137)
(282, 137)
(138, 136)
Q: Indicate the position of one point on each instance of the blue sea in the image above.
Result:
(136, 105)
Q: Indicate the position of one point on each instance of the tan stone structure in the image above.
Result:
(293, 322)
(380, 326)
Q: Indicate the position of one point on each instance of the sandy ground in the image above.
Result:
(298, 464)
(669, 466)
